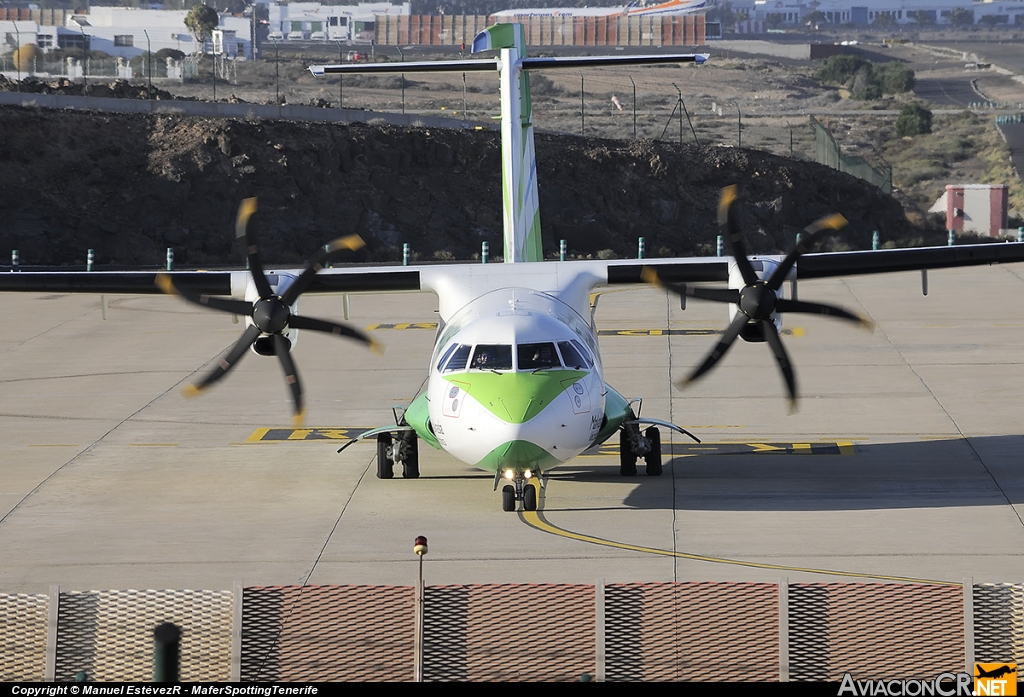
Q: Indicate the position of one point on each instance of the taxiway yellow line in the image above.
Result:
(536, 520)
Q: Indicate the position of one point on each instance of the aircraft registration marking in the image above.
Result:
(793, 331)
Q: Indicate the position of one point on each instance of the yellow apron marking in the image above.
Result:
(300, 433)
(846, 447)
(404, 325)
(257, 435)
(536, 520)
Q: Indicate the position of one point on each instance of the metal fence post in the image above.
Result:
(969, 624)
(50, 673)
(599, 621)
(783, 630)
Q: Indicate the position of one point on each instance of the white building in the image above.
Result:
(299, 21)
(866, 12)
(122, 32)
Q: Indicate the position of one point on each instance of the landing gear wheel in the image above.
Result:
(627, 460)
(411, 463)
(508, 498)
(529, 498)
(653, 458)
(385, 465)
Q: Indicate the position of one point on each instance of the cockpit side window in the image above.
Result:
(459, 358)
(446, 355)
(492, 357)
(537, 356)
(573, 355)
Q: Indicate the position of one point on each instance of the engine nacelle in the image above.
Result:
(279, 283)
(764, 267)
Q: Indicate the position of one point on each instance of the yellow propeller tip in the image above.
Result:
(649, 275)
(164, 283)
(299, 419)
(836, 222)
(245, 211)
(377, 347)
(191, 391)
(352, 243)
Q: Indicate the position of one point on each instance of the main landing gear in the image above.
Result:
(633, 445)
(403, 449)
(524, 488)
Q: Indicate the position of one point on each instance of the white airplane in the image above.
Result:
(633, 9)
(516, 385)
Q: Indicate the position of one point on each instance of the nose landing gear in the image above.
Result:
(403, 449)
(524, 488)
(633, 445)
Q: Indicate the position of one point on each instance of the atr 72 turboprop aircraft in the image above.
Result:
(516, 385)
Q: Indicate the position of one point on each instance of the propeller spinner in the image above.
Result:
(758, 300)
(271, 314)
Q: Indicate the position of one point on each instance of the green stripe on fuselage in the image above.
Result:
(518, 455)
(516, 397)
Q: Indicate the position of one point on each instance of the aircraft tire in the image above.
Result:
(411, 464)
(385, 465)
(529, 498)
(508, 498)
(627, 460)
(653, 458)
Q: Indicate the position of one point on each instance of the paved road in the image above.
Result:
(903, 461)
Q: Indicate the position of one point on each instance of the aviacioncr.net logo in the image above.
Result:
(945, 685)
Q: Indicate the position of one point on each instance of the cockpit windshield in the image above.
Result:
(538, 356)
(492, 357)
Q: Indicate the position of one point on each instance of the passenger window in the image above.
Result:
(538, 356)
(458, 359)
(571, 355)
(492, 357)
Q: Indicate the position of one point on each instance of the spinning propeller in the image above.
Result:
(758, 300)
(271, 315)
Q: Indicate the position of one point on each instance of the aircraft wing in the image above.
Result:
(233, 283)
(824, 265)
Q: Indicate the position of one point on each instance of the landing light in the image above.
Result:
(509, 474)
(527, 474)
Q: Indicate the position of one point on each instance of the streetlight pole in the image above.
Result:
(277, 73)
(402, 54)
(583, 108)
(634, 105)
(149, 65)
(17, 63)
(341, 77)
(85, 77)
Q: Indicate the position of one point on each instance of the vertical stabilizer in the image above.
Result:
(521, 213)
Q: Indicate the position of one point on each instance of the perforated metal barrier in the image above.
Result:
(520, 632)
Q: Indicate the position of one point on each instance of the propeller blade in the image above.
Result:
(321, 325)
(771, 335)
(731, 230)
(815, 231)
(316, 262)
(252, 251)
(282, 347)
(719, 350)
(235, 307)
(822, 309)
(721, 295)
(226, 363)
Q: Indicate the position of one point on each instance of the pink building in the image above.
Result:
(978, 208)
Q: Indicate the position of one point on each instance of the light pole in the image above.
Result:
(634, 105)
(341, 77)
(149, 65)
(402, 54)
(17, 63)
(277, 73)
(85, 77)
(583, 107)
